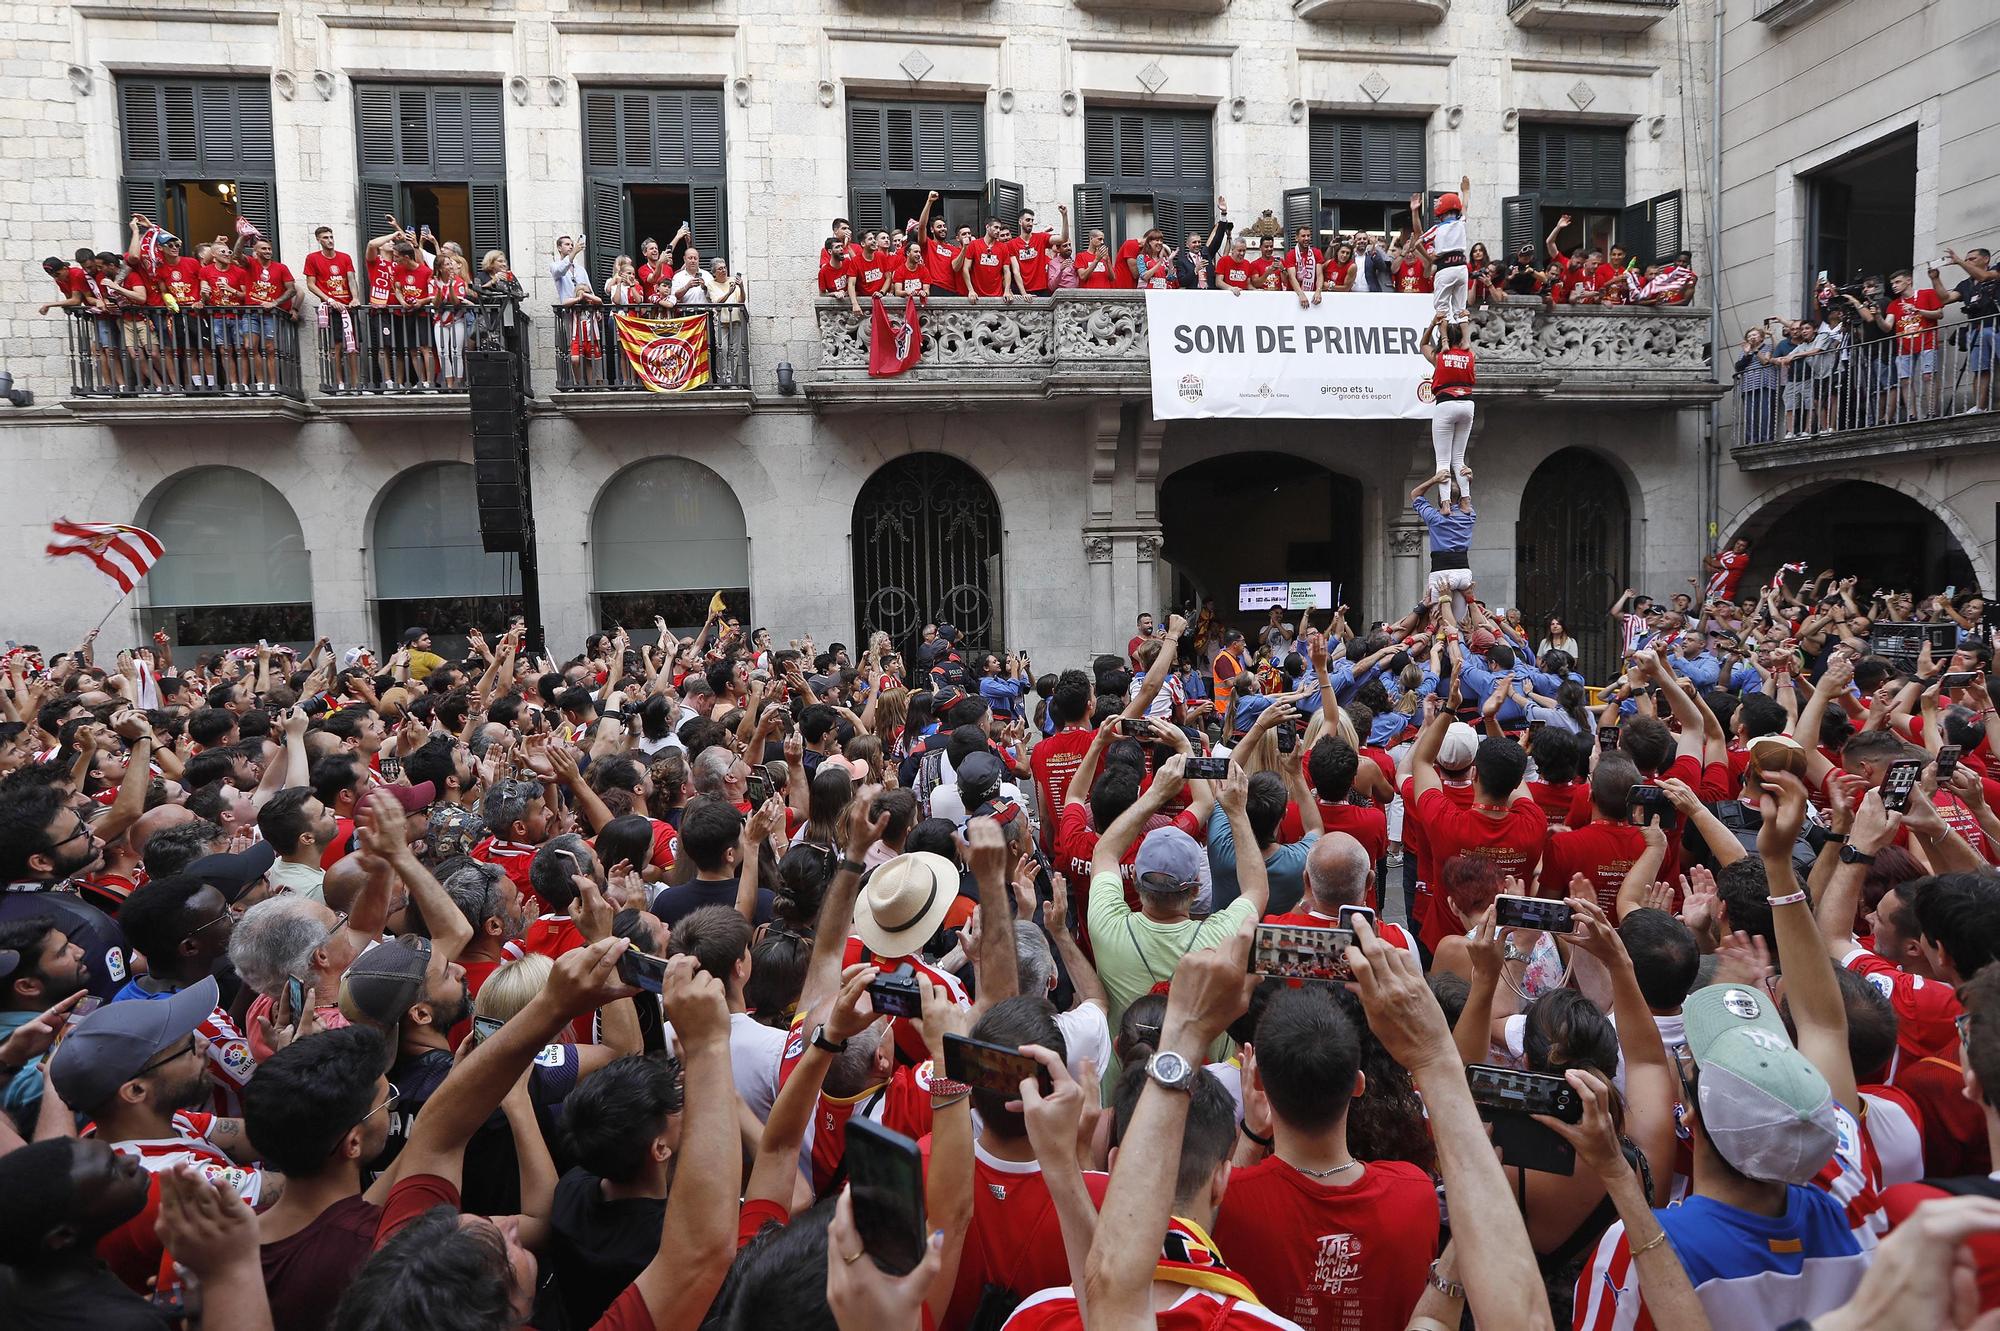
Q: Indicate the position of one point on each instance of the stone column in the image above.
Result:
(1097, 551)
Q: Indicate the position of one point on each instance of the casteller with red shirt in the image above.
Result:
(1503, 825)
(1604, 849)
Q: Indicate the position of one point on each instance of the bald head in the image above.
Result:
(156, 820)
(344, 882)
(1337, 870)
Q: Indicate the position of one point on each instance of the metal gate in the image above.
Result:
(926, 550)
(1572, 548)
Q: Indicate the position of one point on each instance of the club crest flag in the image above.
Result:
(121, 553)
(667, 355)
(894, 345)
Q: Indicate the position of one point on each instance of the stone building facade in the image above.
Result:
(1020, 458)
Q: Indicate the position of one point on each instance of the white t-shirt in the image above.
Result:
(755, 1050)
(1086, 1032)
(690, 289)
(946, 802)
(1448, 236)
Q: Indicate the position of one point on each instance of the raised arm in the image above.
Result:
(1811, 990)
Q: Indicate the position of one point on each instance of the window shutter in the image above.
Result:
(1005, 200)
(215, 139)
(1167, 218)
(487, 204)
(256, 150)
(1132, 146)
(1100, 144)
(488, 133)
(864, 140)
(868, 209)
(1162, 139)
(1406, 150)
(181, 144)
(933, 140)
(375, 114)
(1092, 213)
(1196, 151)
(601, 116)
(257, 204)
(145, 134)
(1520, 223)
(451, 153)
(1323, 155)
(1607, 180)
(670, 134)
(141, 194)
(1197, 213)
(1354, 157)
(1368, 157)
(413, 127)
(899, 139)
(967, 132)
(604, 221)
(707, 144)
(705, 220)
(381, 196)
(1666, 226)
(1635, 233)
(1301, 209)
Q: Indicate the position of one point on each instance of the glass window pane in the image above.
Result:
(427, 539)
(230, 538)
(668, 524)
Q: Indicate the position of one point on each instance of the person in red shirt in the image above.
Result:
(1605, 848)
(940, 254)
(869, 269)
(1125, 269)
(1613, 278)
(178, 280)
(330, 279)
(1054, 760)
(1031, 251)
(1331, 767)
(69, 280)
(1305, 268)
(833, 261)
(910, 275)
(272, 290)
(1502, 826)
(1413, 268)
(985, 264)
(1093, 265)
(380, 258)
(411, 277)
(1340, 268)
(1725, 569)
(1913, 317)
(134, 294)
(228, 283)
(1234, 269)
(1558, 758)
(1155, 265)
(1326, 1240)
(1339, 874)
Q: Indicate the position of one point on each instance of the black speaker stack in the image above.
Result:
(497, 383)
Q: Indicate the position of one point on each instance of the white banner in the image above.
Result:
(1353, 356)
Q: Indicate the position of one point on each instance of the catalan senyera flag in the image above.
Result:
(667, 355)
(121, 553)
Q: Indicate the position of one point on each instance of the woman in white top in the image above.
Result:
(1557, 639)
(724, 289)
(623, 287)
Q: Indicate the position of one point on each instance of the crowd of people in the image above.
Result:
(927, 257)
(1380, 976)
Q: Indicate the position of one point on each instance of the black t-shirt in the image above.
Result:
(673, 904)
(1520, 278)
(94, 1300)
(1981, 296)
(598, 1247)
(492, 1169)
(102, 941)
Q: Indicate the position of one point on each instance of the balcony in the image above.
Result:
(1372, 11)
(594, 375)
(1092, 345)
(1156, 6)
(1784, 13)
(1594, 16)
(146, 363)
(1861, 407)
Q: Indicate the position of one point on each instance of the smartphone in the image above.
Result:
(1947, 761)
(642, 970)
(1137, 727)
(1501, 1090)
(1346, 915)
(1536, 723)
(1211, 768)
(992, 1067)
(1901, 780)
(485, 1028)
(1957, 679)
(295, 997)
(84, 1007)
(1544, 913)
(885, 1176)
(1607, 738)
(757, 788)
(1298, 952)
(895, 993)
(1287, 738)
(1651, 804)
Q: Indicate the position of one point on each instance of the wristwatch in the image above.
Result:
(1170, 1070)
(820, 1041)
(1849, 855)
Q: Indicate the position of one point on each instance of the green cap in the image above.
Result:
(1763, 1104)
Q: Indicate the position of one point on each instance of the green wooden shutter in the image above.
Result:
(1196, 213)
(602, 114)
(706, 207)
(899, 140)
(413, 128)
(379, 196)
(1167, 217)
(1520, 223)
(1100, 144)
(965, 132)
(708, 149)
(868, 210)
(487, 203)
(670, 134)
(375, 132)
(1301, 209)
(1607, 178)
(1005, 200)
(451, 147)
(604, 223)
(487, 131)
(257, 204)
(864, 140)
(1092, 211)
(140, 194)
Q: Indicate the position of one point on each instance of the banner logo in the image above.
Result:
(1191, 387)
(667, 355)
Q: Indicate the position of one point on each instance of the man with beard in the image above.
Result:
(139, 1071)
(324, 1104)
(50, 1274)
(44, 848)
(182, 926)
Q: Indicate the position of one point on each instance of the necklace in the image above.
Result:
(1326, 1173)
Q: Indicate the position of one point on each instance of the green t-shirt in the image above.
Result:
(1134, 953)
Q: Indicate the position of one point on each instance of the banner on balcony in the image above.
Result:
(1353, 356)
(667, 355)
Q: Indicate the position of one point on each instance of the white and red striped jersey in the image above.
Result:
(192, 1148)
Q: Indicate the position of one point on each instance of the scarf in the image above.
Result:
(1188, 1256)
(1306, 262)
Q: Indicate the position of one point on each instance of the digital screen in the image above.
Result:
(1259, 596)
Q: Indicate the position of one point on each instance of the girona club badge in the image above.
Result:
(666, 355)
(894, 345)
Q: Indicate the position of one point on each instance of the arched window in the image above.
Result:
(927, 550)
(235, 568)
(431, 570)
(666, 536)
(1571, 555)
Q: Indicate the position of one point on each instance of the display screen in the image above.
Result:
(1258, 596)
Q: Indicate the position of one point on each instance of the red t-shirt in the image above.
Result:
(1601, 851)
(413, 284)
(1092, 272)
(1031, 253)
(1452, 375)
(903, 1105)
(226, 286)
(1231, 271)
(1122, 274)
(381, 281)
(1076, 843)
(1898, 1203)
(332, 274)
(1711, 784)
(1927, 1011)
(1392, 934)
(989, 266)
(1413, 828)
(1330, 1258)
(1556, 801)
(70, 281)
(1513, 840)
(908, 279)
(1914, 333)
(1367, 825)
(147, 294)
(941, 265)
(832, 276)
(1015, 1238)
(871, 272)
(268, 279)
(1054, 761)
(180, 279)
(1192, 1310)
(1954, 1128)
(1410, 276)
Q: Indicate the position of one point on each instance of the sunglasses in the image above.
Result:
(164, 1059)
(389, 1102)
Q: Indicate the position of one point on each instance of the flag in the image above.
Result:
(122, 554)
(1778, 578)
(894, 345)
(150, 241)
(667, 355)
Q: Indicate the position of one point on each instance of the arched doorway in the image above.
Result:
(1250, 518)
(1573, 553)
(431, 569)
(235, 568)
(666, 536)
(927, 550)
(1885, 537)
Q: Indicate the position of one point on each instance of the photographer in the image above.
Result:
(1980, 336)
(1870, 369)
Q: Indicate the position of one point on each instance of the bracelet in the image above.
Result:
(1451, 1289)
(1838, 838)
(1798, 898)
(851, 866)
(946, 1086)
(1254, 1135)
(1660, 1237)
(938, 1103)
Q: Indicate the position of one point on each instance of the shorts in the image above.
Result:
(228, 331)
(937, 290)
(138, 332)
(1982, 344)
(262, 325)
(1910, 365)
(415, 332)
(106, 334)
(1798, 393)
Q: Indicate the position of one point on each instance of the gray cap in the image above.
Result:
(1173, 853)
(110, 1046)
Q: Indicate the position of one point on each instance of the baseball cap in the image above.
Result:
(904, 902)
(352, 656)
(10, 961)
(979, 772)
(113, 1044)
(1764, 1105)
(381, 984)
(1459, 746)
(414, 799)
(234, 874)
(948, 632)
(1171, 854)
(411, 635)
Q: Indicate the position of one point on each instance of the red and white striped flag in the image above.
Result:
(122, 554)
(1778, 578)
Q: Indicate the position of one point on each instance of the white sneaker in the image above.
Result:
(1790, 435)
(1973, 411)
